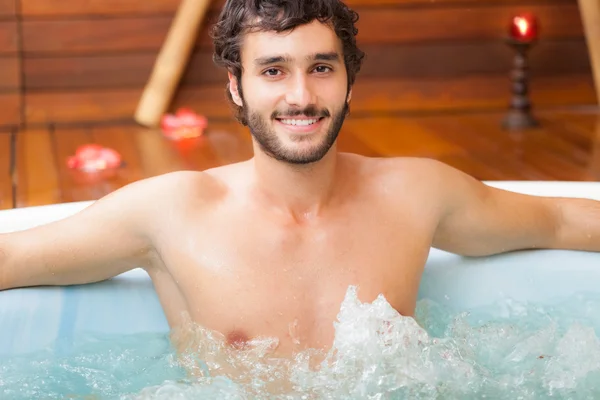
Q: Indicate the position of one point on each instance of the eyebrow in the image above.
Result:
(268, 60)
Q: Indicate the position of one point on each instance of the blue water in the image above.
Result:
(509, 350)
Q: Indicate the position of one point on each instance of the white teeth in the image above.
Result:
(299, 122)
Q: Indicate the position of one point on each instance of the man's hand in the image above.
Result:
(479, 220)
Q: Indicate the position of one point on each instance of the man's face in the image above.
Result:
(295, 91)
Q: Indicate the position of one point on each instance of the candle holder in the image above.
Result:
(519, 115)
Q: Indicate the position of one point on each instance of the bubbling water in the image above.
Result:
(379, 354)
(509, 350)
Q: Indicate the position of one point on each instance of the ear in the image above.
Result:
(349, 96)
(233, 89)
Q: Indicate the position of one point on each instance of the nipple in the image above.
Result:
(237, 339)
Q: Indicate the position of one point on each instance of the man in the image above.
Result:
(269, 246)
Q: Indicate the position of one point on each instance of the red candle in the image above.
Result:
(524, 28)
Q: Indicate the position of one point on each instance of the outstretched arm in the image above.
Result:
(479, 220)
(105, 239)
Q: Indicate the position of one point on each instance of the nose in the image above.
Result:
(300, 92)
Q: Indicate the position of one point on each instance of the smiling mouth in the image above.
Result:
(299, 121)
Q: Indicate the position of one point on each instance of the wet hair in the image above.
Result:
(241, 16)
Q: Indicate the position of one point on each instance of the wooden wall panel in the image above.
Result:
(10, 67)
(84, 72)
(80, 106)
(435, 23)
(94, 35)
(375, 26)
(46, 8)
(89, 60)
(449, 60)
(468, 23)
(31, 8)
(7, 8)
(114, 104)
(10, 108)
(466, 93)
(10, 73)
(382, 61)
(8, 37)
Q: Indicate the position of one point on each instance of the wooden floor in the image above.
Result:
(565, 147)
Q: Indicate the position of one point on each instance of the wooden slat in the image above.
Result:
(544, 153)
(95, 35)
(157, 156)
(394, 136)
(97, 105)
(410, 95)
(66, 107)
(36, 174)
(10, 74)
(75, 186)
(7, 8)
(580, 128)
(382, 61)
(496, 150)
(8, 37)
(466, 93)
(6, 189)
(375, 26)
(31, 8)
(493, 155)
(125, 70)
(119, 7)
(536, 151)
(418, 25)
(10, 108)
(452, 59)
(462, 131)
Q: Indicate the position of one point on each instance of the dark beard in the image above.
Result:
(272, 146)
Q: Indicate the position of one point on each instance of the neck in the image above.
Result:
(300, 191)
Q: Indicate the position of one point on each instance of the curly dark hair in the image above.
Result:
(241, 16)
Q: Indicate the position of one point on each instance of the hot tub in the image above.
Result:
(35, 318)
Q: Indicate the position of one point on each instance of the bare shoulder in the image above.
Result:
(139, 203)
(414, 183)
(422, 175)
(418, 168)
(182, 185)
(177, 191)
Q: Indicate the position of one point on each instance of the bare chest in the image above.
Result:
(258, 282)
